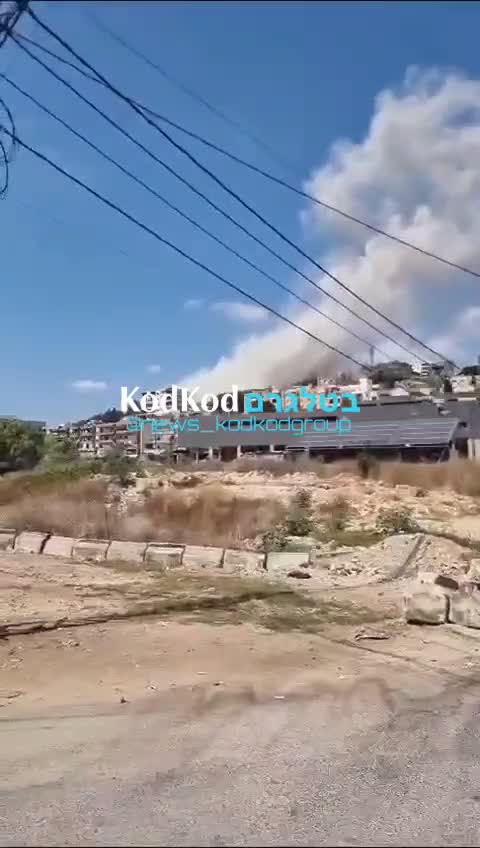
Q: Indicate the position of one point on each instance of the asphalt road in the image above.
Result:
(357, 768)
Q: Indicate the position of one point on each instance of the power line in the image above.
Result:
(133, 220)
(229, 190)
(180, 212)
(10, 16)
(194, 95)
(261, 171)
(205, 197)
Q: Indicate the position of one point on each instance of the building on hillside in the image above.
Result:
(432, 369)
(116, 435)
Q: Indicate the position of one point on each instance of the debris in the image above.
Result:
(362, 635)
(8, 696)
(279, 697)
(446, 582)
(201, 672)
(123, 700)
(218, 683)
(300, 575)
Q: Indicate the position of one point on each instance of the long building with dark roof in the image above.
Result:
(401, 427)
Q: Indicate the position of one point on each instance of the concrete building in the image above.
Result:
(116, 436)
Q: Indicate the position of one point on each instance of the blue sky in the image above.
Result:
(87, 297)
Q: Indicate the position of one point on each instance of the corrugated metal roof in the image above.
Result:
(431, 432)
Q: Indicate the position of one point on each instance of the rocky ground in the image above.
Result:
(85, 632)
(299, 704)
(436, 509)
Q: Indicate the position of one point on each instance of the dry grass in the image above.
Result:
(212, 516)
(70, 509)
(462, 475)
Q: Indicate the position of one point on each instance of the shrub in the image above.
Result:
(119, 466)
(275, 539)
(398, 520)
(367, 465)
(299, 519)
(335, 514)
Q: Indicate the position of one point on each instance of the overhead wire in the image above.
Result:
(195, 95)
(205, 197)
(229, 190)
(261, 171)
(194, 261)
(180, 212)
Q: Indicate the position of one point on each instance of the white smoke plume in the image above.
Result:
(415, 174)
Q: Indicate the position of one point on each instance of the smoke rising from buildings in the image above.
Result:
(414, 174)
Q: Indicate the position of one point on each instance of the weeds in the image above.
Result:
(299, 519)
(275, 539)
(398, 520)
(210, 516)
(367, 465)
(335, 514)
(462, 475)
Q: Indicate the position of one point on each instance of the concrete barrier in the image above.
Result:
(127, 551)
(7, 539)
(426, 607)
(30, 543)
(164, 557)
(281, 562)
(243, 561)
(465, 609)
(197, 556)
(90, 550)
(59, 546)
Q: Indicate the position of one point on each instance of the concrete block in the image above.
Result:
(127, 551)
(465, 609)
(198, 556)
(243, 561)
(90, 550)
(30, 543)
(281, 562)
(164, 557)
(59, 546)
(473, 571)
(7, 539)
(426, 607)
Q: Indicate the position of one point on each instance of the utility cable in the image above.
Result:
(194, 95)
(205, 197)
(146, 228)
(180, 212)
(227, 189)
(266, 174)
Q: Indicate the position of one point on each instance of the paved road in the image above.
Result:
(355, 769)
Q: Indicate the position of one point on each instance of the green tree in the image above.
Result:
(21, 445)
(60, 451)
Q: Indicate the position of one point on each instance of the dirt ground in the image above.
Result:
(203, 638)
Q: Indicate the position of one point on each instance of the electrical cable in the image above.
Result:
(261, 172)
(205, 197)
(227, 188)
(146, 228)
(180, 212)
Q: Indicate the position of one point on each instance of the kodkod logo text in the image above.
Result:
(179, 399)
(294, 426)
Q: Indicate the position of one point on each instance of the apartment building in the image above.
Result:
(115, 435)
